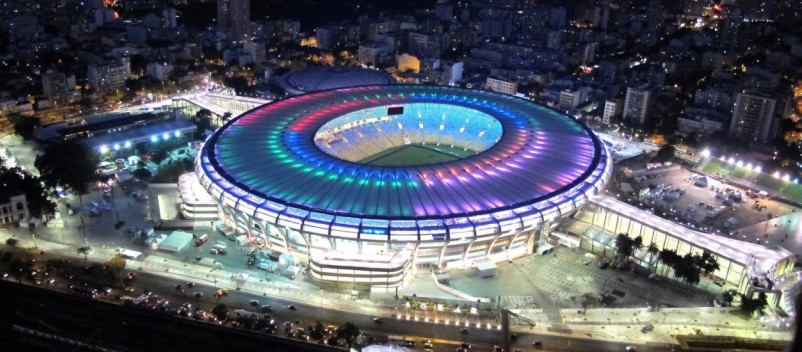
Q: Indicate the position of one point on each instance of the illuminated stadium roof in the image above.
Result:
(269, 158)
(322, 78)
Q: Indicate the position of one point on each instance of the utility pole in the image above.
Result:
(505, 328)
(83, 228)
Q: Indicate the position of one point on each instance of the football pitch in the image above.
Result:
(411, 155)
(787, 189)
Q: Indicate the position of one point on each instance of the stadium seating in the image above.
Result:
(418, 125)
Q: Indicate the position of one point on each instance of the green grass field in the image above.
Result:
(409, 155)
(789, 190)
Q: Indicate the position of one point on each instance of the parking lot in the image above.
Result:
(696, 203)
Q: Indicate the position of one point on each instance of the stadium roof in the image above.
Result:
(268, 156)
(322, 78)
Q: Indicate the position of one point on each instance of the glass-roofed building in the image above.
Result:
(364, 183)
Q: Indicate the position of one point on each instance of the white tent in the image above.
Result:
(241, 240)
(175, 241)
(241, 277)
(487, 267)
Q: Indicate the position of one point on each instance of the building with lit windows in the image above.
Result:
(366, 183)
(104, 133)
(752, 116)
(109, 75)
(13, 209)
(235, 16)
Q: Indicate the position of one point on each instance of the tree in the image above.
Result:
(15, 180)
(159, 155)
(25, 126)
(668, 257)
(169, 173)
(317, 332)
(226, 116)
(349, 332)
(68, 164)
(623, 245)
(84, 250)
(707, 262)
(117, 264)
(728, 296)
(686, 268)
(665, 153)
(203, 120)
(637, 243)
(751, 305)
(220, 311)
(19, 267)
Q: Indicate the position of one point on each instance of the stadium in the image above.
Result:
(365, 183)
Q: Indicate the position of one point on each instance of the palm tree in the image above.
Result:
(653, 251)
(709, 263)
(84, 250)
(669, 258)
(688, 268)
(623, 245)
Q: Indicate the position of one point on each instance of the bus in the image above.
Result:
(401, 341)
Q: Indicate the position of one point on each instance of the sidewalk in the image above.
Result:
(668, 322)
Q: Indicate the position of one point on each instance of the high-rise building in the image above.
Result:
(235, 16)
(571, 98)
(169, 18)
(370, 52)
(452, 73)
(730, 36)
(109, 75)
(55, 85)
(257, 51)
(637, 103)
(501, 85)
(612, 108)
(752, 116)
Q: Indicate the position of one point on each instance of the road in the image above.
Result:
(445, 337)
(164, 283)
(65, 317)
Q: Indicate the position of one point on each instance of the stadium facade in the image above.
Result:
(314, 176)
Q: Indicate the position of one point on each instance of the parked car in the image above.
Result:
(201, 239)
(254, 302)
